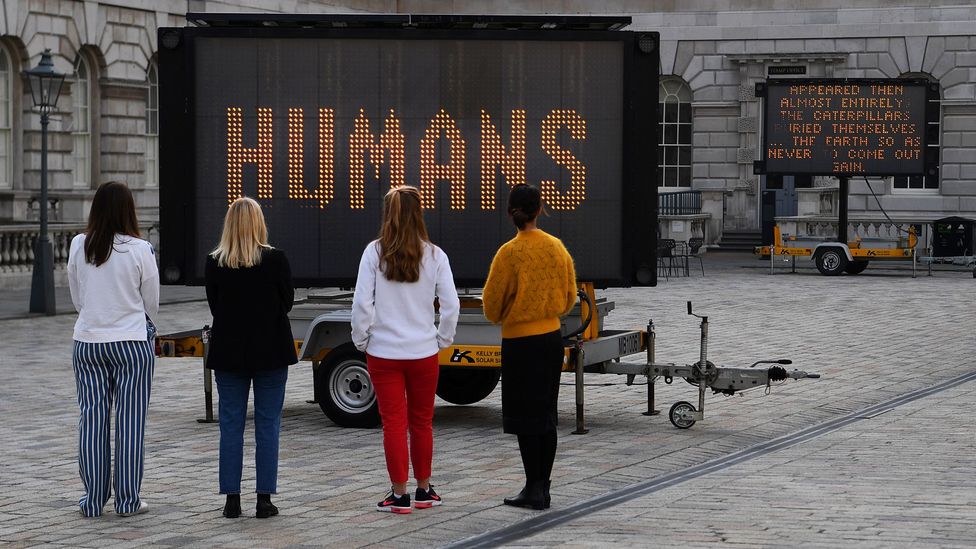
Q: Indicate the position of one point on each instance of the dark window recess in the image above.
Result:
(774, 182)
(802, 181)
(917, 182)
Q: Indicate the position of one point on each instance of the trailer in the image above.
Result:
(834, 258)
(471, 368)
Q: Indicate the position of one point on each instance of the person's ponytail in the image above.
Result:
(519, 217)
(524, 204)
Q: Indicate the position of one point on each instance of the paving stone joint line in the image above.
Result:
(533, 526)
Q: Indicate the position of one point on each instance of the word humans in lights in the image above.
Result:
(391, 147)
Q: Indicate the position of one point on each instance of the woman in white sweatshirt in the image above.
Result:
(115, 289)
(400, 274)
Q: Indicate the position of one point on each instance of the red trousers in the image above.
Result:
(405, 394)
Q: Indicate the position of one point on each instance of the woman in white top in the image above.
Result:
(400, 275)
(115, 289)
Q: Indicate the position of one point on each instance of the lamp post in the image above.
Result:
(44, 84)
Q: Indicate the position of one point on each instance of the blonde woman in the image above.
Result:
(400, 275)
(250, 292)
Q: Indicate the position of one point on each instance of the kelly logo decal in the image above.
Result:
(478, 357)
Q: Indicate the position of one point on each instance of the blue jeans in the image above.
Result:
(269, 395)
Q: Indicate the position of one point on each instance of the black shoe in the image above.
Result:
(425, 499)
(232, 509)
(545, 493)
(393, 504)
(531, 497)
(265, 508)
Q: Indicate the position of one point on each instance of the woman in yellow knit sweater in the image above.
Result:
(531, 284)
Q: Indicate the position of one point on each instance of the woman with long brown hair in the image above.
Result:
(531, 283)
(400, 275)
(114, 286)
(250, 292)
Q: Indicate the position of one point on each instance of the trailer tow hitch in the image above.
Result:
(704, 374)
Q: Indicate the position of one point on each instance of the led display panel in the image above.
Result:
(318, 128)
(847, 127)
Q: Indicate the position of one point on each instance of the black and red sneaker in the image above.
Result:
(425, 499)
(393, 504)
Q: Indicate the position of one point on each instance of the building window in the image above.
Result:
(674, 149)
(6, 119)
(82, 123)
(917, 182)
(152, 126)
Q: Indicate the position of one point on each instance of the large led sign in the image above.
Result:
(316, 124)
(849, 127)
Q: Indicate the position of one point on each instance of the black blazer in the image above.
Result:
(250, 307)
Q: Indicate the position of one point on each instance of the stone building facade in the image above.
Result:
(106, 123)
(721, 55)
(713, 53)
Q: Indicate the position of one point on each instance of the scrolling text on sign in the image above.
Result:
(852, 123)
(391, 146)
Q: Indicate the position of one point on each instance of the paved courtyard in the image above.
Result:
(897, 476)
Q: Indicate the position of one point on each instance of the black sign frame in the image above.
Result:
(930, 134)
(178, 153)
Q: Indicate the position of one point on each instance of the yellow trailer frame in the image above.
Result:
(833, 258)
(593, 341)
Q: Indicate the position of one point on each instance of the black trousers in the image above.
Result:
(531, 368)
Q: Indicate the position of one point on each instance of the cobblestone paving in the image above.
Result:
(872, 336)
(901, 479)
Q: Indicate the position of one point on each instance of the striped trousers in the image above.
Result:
(119, 372)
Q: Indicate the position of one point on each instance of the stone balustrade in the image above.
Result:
(17, 244)
(857, 228)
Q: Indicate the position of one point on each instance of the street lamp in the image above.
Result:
(44, 84)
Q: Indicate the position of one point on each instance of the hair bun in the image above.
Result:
(524, 203)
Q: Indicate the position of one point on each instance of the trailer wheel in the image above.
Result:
(856, 267)
(675, 414)
(831, 261)
(345, 392)
(467, 385)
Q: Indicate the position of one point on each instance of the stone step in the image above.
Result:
(739, 241)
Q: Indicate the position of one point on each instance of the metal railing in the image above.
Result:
(679, 203)
(17, 244)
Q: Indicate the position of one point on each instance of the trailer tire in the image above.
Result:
(467, 385)
(344, 390)
(681, 407)
(831, 261)
(856, 267)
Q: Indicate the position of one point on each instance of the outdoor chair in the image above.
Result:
(694, 252)
(666, 256)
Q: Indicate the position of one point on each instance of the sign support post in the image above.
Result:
(842, 209)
